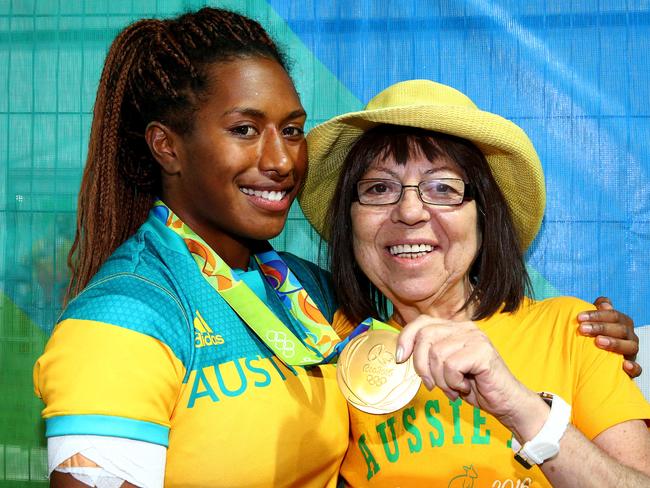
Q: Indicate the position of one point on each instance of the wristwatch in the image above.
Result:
(546, 443)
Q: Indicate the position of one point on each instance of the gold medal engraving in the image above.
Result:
(369, 377)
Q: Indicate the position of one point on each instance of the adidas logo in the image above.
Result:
(203, 335)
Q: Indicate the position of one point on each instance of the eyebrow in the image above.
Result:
(296, 114)
(245, 111)
(396, 176)
(381, 169)
(253, 112)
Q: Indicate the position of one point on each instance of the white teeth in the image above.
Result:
(410, 250)
(273, 196)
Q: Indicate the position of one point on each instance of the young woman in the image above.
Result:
(167, 363)
(181, 354)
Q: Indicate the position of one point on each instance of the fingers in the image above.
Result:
(429, 346)
(472, 368)
(605, 316)
(455, 371)
(614, 330)
(409, 334)
(458, 358)
(449, 374)
(433, 362)
(406, 339)
(627, 348)
(421, 351)
(603, 303)
(425, 339)
(440, 353)
(632, 368)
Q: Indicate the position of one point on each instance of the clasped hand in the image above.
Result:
(458, 358)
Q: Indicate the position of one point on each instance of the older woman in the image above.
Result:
(433, 203)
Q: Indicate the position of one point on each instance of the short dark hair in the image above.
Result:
(498, 273)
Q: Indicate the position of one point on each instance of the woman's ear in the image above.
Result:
(163, 144)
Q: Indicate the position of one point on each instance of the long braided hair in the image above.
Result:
(155, 70)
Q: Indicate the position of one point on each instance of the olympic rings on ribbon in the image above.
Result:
(282, 342)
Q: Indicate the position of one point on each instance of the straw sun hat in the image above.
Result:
(425, 104)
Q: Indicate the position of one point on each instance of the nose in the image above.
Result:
(410, 209)
(276, 158)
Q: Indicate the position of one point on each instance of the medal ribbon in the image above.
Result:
(295, 298)
(320, 341)
(298, 302)
(368, 324)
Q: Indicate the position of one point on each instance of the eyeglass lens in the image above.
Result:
(442, 191)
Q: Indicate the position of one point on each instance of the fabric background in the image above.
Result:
(574, 74)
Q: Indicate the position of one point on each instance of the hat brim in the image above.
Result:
(510, 154)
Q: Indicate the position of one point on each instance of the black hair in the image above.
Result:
(498, 274)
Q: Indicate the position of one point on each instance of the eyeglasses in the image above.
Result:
(441, 191)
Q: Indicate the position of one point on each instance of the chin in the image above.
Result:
(267, 232)
(412, 294)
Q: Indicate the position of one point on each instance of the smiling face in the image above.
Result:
(418, 255)
(237, 171)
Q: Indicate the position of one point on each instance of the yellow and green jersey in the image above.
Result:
(150, 351)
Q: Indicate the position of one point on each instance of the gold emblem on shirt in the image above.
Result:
(203, 334)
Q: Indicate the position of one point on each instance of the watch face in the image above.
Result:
(369, 377)
(536, 452)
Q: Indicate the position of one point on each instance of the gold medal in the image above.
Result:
(369, 377)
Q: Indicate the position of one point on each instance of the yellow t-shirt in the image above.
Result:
(149, 351)
(434, 442)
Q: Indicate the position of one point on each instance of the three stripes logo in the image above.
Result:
(203, 334)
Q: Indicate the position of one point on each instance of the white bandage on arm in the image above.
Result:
(140, 463)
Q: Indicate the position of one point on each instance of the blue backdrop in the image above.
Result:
(574, 74)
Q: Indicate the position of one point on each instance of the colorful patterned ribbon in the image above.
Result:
(318, 331)
(368, 324)
(320, 340)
